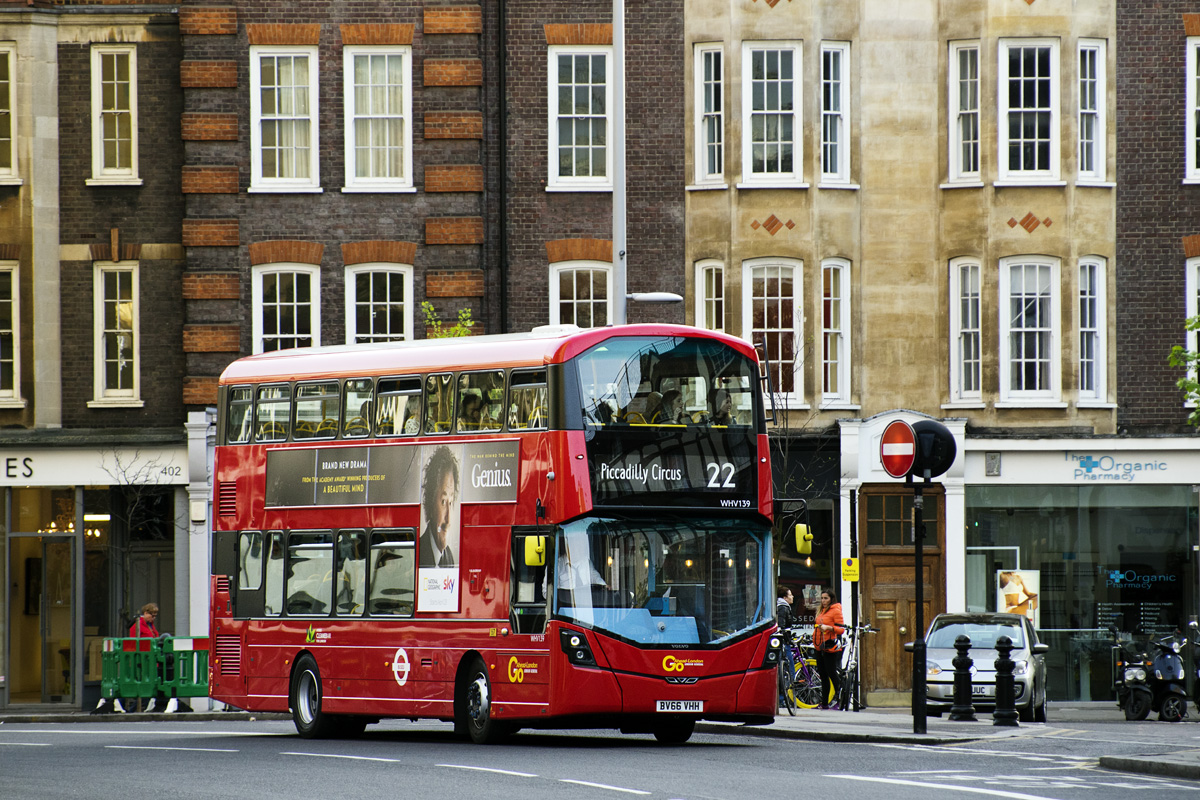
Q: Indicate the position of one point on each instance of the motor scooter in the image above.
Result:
(1168, 679)
(1131, 677)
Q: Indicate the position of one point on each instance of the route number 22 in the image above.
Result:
(720, 476)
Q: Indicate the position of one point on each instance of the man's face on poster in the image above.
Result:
(443, 502)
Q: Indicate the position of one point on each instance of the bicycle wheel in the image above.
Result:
(806, 684)
(787, 697)
(847, 690)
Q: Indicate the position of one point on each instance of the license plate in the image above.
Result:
(982, 691)
(680, 706)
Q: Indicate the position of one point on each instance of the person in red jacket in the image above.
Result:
(827, 632)
(143, 626)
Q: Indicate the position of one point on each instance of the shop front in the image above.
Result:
(89, 535)
(1080, 535)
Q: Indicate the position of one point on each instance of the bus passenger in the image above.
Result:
(440, 492)
(722, 405)
(671, 413)
(470, 412)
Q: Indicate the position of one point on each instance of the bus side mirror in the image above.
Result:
(535, 551)
(803, 540)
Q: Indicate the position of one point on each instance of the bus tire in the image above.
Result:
(676, 731)
(476, 707)
(305, 699)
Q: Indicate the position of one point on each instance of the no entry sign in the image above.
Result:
(898, 448)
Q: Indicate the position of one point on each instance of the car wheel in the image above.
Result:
(1039, 713)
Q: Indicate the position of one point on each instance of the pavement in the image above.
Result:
(882, 725)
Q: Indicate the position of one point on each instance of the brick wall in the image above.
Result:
(654, 155)
(450, 171)
(1155, 211)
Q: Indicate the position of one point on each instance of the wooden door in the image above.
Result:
(889, 584)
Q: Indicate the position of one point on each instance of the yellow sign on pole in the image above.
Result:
(850, 569)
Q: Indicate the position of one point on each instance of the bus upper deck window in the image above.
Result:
(439, 402)
(529, 400)
(273, 412)
(398, 407)
(480, 401)
(356, 409)
(238, 416)
(316, 411)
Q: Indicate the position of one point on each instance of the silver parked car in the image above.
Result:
(1028, 654)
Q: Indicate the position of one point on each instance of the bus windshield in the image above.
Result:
(688, 581)
(666, 381)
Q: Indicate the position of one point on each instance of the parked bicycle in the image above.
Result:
(805, 686)
(848, 696)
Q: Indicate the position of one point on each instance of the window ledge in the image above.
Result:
(579, 188)
(285, 190)
(854, 187)
(117, 402)
(11, 402)
(964, 404)
(12, 181)
(1030, 184)
(1094, 404)
(1097, 184)
(706, 187)
(113, 182)
(839, 405)
(778, 185)
(381, 189)
(1191, 181)
(1029, 404)
(963, 185)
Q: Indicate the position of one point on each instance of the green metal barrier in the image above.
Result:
(166, 666)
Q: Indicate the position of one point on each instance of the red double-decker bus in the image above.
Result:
(564, 528)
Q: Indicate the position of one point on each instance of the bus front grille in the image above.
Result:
(229, 650)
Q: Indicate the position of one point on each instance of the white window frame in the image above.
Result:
(569, 183)
(1191, 308)
(706, 90)
(795, 178)
(1051, 393)
(795, 398)
(836, 329)
(10, 271)
(964, 103)
(101, 174)
(390, 183)
(1094, 300)
(259, 182)
(1092, 106)
(1052, 170)
(101, 394)
(1192, 126)
(404, 272)
(10, 175)
(556, 271)
(257, 274)
(710, 294)
(966, 367)
(837, 118)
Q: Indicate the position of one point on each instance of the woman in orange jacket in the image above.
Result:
(827, 631)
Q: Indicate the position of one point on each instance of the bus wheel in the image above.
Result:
(477, 707)
(305, 700)
(677, 731)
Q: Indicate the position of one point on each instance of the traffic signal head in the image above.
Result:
(935, 449)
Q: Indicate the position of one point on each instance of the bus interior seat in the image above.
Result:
(328, 427)
(357, 427)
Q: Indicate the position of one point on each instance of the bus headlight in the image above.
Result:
(575, 645)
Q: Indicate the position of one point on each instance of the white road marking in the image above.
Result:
(923, 785)
(603, 786)
(489, 769)
(25, 744)
(159, 747)
(144, 731)
(338, 755)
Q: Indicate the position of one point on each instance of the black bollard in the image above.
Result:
(1006, 701)
(962, 710)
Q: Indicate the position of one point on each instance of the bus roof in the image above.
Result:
(548, 344)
